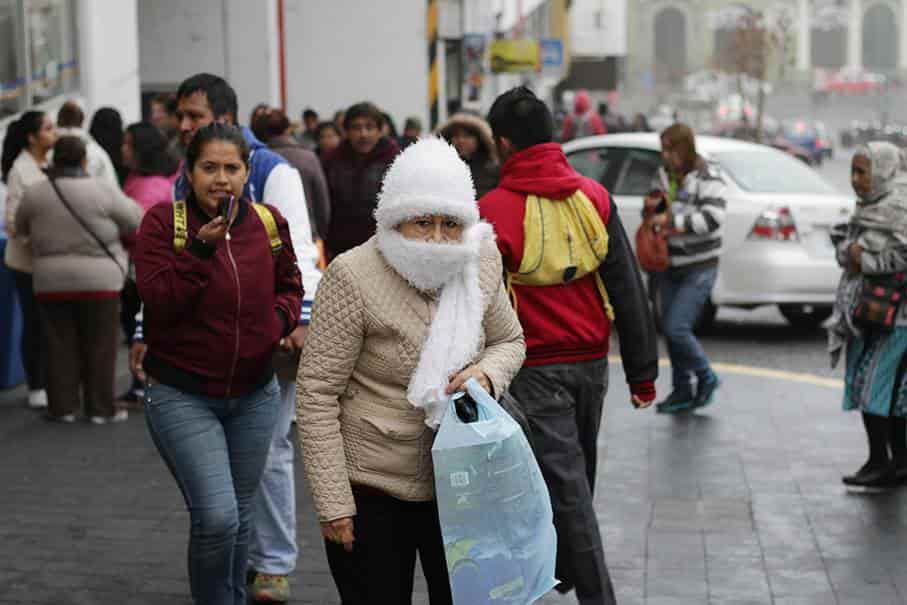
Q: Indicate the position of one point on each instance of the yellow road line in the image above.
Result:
(733, 368)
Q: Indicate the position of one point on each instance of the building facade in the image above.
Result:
(51, 50)
(677, 37)
(54, 50)
(339, 52)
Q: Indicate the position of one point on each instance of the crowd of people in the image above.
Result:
(585, 120)
(350, 279)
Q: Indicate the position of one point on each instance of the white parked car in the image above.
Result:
(777, 249)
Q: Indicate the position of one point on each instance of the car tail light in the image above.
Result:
(775, 224)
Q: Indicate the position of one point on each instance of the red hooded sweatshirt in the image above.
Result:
(564, 322)
(583, 122)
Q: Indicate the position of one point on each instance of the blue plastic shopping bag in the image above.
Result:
(494, 508)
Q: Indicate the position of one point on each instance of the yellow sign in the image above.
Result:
(514, 56)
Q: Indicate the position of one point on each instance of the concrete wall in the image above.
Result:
(599, 28)
(179, 37)
(235, 39)
(340, 52)
(109, 56)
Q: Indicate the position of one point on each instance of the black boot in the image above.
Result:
(871, 477)
(878, 471)
(898, 444)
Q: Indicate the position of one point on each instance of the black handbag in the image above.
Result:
(880, 302)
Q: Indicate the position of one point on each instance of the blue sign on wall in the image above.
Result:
(552, 50)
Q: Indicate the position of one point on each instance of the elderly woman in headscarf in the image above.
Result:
(872, 249)
(399, 324)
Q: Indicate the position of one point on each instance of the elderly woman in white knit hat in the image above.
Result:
(399, 324)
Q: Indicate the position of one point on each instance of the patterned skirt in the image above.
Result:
(875, 381)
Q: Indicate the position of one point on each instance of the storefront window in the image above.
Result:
(38, 53)
(12, 64)
(51, 47)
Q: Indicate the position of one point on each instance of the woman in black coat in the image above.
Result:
(471, 136)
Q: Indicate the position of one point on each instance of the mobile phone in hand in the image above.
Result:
(225, 208)
(662, 197)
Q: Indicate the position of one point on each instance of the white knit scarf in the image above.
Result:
(455, 332)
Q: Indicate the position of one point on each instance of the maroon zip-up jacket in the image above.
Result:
(214, 314)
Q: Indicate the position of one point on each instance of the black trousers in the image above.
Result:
(388, 533)
(80, 339)
(33, 355)
(130, 303)
(886, 433)
(563, 404)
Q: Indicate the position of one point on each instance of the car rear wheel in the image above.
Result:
(805, 316)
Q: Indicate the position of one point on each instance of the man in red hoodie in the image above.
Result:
(584, 121)
(571, 272)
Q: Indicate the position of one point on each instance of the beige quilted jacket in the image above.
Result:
(355, 423)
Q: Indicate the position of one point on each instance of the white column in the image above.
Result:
(252, 61)
(855, 34)
(109, 56)
(804, 36)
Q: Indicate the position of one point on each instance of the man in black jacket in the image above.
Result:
(354, 173)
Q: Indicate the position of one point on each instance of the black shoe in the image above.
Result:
(129, 396)
(705, 392)
(677, 401)
(900, 469)
(871, 477)
(563, 587)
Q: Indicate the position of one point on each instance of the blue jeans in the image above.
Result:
(272, 546)
(216, 450)
(683, 297)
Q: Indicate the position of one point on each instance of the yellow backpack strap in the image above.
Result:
(180, 226)
(270, 224)
(609, 310)
(511, 293)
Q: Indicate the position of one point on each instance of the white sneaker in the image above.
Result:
(37, 399)
(119, 416)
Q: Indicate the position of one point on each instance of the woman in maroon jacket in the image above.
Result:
(221, 293)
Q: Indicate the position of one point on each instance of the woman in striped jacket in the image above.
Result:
(694, 227)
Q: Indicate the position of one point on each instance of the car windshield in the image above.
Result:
(767, 171)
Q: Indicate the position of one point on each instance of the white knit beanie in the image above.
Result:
(427, 178)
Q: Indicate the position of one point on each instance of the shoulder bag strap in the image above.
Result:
(53, 183)
(270, 224)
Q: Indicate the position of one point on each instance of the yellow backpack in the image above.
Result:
(564, 241)
(181, 226)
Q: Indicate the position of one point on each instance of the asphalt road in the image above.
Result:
(739, 503)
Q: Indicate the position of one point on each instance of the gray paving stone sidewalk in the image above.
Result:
(739, 504)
